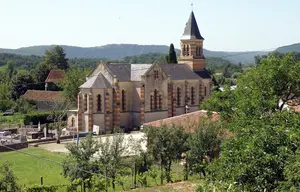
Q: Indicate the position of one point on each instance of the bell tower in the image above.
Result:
(191, 44)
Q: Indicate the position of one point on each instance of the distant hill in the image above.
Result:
(119, 51)
(289, 48)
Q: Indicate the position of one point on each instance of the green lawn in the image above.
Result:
(29, 169)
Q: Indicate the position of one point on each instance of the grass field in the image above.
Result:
(29, 169)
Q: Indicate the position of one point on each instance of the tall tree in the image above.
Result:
(10, 68)
(166, 145)
(78, 164)
(8, 182)
(171, 58)
(203, 145)
(56, 57)
(261, 153)
(111, 152)
(70, 85)
(21, 84)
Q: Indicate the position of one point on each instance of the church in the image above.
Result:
(121, 95)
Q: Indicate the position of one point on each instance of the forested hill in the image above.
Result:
(289, 48)
(126, 52)
(119, 51)
(29, 62)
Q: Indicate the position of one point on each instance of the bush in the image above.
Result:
(35, 118)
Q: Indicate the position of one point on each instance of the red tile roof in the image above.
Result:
(188, 121)
(55, 76)
(294, 104)
(38, 95)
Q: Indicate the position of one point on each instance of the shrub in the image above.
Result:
(35, 118)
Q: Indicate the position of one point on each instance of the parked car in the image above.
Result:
(8, 112)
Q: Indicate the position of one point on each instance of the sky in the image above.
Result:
(226, 25)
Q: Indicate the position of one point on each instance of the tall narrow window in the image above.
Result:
(198, 51)
(187, 50)
(73, 122)
(123, 100)
(184, 50)
(155, 99)
(204, 90)
(151, 102)
(159, 102)
(156, 74)
(85, 102)
(99, 102)
(178, 97)
(193, 95)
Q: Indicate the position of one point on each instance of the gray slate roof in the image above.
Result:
(128, 72)
(137, 70)
(179, 71)
(97, 82)
(191, 30)
(121, 70)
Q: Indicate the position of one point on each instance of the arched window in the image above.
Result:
(184, 50)
(159, 102)
(198, 51)
(187, 50)
(205, 91)
(193, 95)
(99, 102)
(123, 100)
(85, 102)
(73, 122)
(155, 99)
(178, 97)
(151, 102)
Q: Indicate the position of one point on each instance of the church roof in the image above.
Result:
(137, 70)
(97, 82)
(191, 31)
(121, 70)
(179, 71)
(128, 72)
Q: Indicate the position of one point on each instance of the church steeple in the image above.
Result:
(192, 46)
(191, 30)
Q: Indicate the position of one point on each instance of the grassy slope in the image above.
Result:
(29, 169)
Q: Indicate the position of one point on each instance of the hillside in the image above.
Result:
(289, 48)
(119, 51)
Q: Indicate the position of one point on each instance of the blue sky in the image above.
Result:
(228, 25)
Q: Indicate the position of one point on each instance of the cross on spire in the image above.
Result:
(192, 4)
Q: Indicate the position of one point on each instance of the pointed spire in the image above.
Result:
(191, 30)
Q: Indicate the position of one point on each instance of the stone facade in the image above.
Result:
(129, 95)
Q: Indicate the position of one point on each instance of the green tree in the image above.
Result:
(223, 102)
(10, 68)
(20, 84)
(171, 57)
(203, 145)
(56, 57)
(70, 85)
(258, 157)
(8, 182)
(78, 164)
(263, 90)
(5, 93)
(166, 145)
(111, 152)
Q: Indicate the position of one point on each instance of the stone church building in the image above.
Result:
(129, 95)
